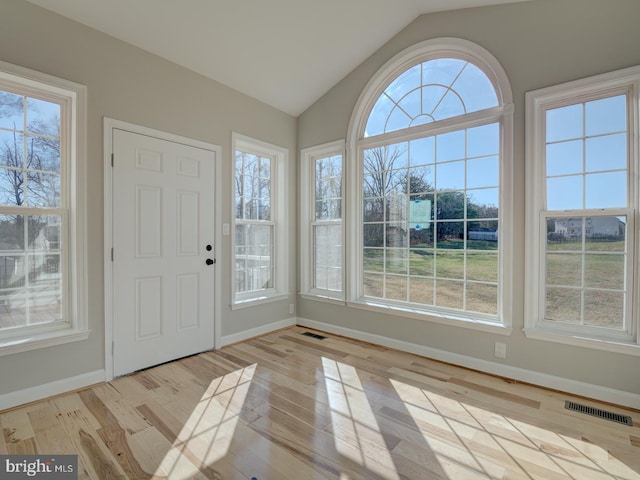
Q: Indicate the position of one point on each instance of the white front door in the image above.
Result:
(163, 233)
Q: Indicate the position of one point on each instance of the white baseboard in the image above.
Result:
(254, 332)
(596, 392)
(31, 394)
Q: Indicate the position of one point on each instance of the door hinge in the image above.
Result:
(112, 254)
(113, 347)
(112, 159)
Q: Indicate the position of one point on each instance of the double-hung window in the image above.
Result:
(260, 238)
(322, 236)
(431, 174)
(582, 218)
(41, 196)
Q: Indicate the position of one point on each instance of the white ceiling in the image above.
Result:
(286, 53)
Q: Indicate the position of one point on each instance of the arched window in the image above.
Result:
(430, 140)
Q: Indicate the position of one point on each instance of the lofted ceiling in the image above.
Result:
(286, 53)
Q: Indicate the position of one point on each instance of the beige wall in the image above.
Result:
(129, 84)
(539, 43)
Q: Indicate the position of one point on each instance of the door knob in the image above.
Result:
(210, 261)
(208, 247)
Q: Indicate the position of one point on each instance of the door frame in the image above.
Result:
(109, 125)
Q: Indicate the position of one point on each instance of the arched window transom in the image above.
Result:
(431, 91)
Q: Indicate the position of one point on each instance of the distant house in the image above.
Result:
(596, 227)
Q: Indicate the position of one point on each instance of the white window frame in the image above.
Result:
(279, 213)
(503, 114)
(626, 81)
(307, 219)
(72, 97)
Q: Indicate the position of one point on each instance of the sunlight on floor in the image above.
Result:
(208, 432)
(356, 432)
(466, 440)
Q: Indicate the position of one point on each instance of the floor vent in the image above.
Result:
(596, 412)
(314, 335)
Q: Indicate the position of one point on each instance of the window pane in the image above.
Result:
(412, 103)
(450, 176)
(449, 294)
(483, 172)
(11, 149)
(482, 266)
(404, 83)
(606, 190)
(254, 244)
(449, 264)
(421, 290)
(604, 309)
(43, 117)
(450, 146)
(565, 123)
(483, 141)
(483, 203)
(606, 115)
(450, 205)
(565, 158)
(396, 287)
(563, 304)
(606, 234)
(373, 285)
(43, 189)
(397, 261)
(422, 151)
(482, 298)
(373, 260)
(378, 116)
(475, 89)
(421, 262)
(564, 193)
(564, 269)
(32, 272)
(450, 235)
(607, 153)
(482, 235)
(604, 271)
(328, 257)
(11, 111)
(450, 106)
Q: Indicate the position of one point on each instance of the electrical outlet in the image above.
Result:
(501, 350)
(292, 308)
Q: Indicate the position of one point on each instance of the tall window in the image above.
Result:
(582, 208)
(432, 162)
(322, 235)
(259, 212)
(40, 250)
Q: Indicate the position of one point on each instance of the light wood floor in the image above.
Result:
(286, 406)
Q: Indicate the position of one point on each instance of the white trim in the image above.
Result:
(39, 392)
(307, 192)
(443, 318)
(537, 102)
(503, 115)
(110, 125)
(261, 300)
(72, 98)
(279, 216)
(48, 338)
(257, 331)
(618, 397)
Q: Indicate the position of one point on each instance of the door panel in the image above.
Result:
(163, 290)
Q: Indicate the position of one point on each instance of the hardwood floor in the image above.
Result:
(288, 406)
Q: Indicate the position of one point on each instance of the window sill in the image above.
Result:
(615, 346)
(252, 302)
(441, 318)
(322, 298)
(25, 343)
